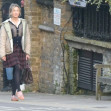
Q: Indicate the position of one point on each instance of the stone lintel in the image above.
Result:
(87, 44)
(46, 28)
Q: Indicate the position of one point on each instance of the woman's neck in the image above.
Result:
(14, 19)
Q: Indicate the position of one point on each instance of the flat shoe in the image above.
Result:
(14, 98)
(20, 95)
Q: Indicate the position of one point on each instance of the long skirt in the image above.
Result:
(18, 57)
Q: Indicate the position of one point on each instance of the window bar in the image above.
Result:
(79, 19)
(96, 23)
(92, 21)
(109, 26)
(99, 21)
(85, 22)
(106, 23)
(102, 28)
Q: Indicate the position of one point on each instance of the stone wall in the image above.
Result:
(107, 60)
(49, 81)
(51, 71)
(60, 31)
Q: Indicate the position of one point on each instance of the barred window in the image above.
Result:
(93, 24)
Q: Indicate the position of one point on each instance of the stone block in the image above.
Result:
(34, 68)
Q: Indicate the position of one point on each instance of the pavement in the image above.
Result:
(52, 102)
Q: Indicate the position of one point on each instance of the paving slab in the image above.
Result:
(53, 102)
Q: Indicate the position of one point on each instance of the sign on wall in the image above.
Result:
(57, 16)
(79, 3)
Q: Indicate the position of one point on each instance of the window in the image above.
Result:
(93, 24)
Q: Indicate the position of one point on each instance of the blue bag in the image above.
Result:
(9, 73)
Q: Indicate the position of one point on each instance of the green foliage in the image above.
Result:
(99, 2)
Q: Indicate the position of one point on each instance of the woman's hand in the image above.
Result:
(4, 58)
(27, 57)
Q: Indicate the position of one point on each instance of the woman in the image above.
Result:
(15, 47)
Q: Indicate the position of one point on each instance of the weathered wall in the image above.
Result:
(51, 72)
(107, 60)
(33, 16)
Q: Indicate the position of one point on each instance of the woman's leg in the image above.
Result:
(17, 76)
(16, 80)
(13, 87)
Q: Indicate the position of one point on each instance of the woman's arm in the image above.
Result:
(28, 42)
(2, 43)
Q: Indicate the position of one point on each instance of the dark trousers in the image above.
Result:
(16, 80)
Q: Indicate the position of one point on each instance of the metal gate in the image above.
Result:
(86, 72)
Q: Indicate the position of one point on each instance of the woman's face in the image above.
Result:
(15, 12)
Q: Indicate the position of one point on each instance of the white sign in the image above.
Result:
(57, 16)
(79, 3)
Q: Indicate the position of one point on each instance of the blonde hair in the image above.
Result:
(13, 5)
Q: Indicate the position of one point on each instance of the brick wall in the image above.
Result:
(46, 52)
(33, 16)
